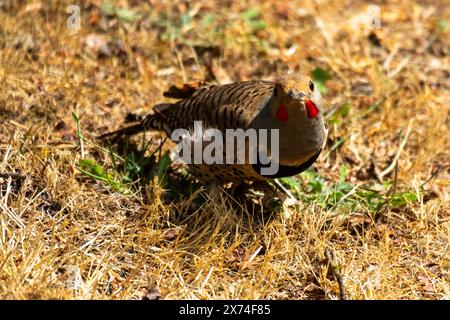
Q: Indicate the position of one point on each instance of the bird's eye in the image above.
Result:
(311, 86)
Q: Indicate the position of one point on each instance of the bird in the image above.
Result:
(291, 104)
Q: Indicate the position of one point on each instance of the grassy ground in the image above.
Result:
(374, 209)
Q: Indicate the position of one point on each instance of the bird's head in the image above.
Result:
(298, 99)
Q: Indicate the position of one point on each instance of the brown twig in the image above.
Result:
(337, 275)
(12, 175)
(434, 174)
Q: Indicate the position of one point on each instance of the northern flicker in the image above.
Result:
(291, 104)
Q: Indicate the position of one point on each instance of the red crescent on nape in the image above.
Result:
(282, 113)
(311, 109)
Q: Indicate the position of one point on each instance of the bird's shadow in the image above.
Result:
(239, 200)
(182, 191)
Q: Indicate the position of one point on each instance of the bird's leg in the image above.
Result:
(214, 191)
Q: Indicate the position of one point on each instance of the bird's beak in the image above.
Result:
(299, 96)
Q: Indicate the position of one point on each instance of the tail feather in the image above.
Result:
(151, 122)
(128, 131)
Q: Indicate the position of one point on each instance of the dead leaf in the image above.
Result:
(425, 280)
(152, 294)
(171, 234)
(97, 45)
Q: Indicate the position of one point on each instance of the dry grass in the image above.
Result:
(55, 220)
